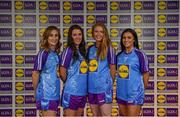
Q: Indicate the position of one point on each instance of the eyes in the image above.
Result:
(128, 37)
(76, 34)
(96, 31)
(53, 35)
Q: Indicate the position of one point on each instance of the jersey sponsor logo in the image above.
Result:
(123, 71)
(83, 67)
(93, 65)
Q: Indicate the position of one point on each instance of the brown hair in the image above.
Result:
(46, 34)
(106, 42)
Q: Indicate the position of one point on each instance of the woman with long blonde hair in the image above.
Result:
(101, 57)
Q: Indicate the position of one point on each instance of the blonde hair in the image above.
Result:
(106, 42)
(44, 41)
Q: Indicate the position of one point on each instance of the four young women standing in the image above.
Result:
(90, 74)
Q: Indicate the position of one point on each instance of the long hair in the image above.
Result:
(44, 41)
(70, 43)
(106, 42)
(133, 32)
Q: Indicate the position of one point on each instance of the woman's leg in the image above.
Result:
(95, 109)
(123, 110)
(69, 112)
(106, 109)
(79, 112)
(134, 110)
(49, 113)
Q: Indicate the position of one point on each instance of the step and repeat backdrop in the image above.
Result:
(22, 23)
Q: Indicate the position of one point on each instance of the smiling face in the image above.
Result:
(53, 39)
(98, 34)
(77, 37)
(128, 40)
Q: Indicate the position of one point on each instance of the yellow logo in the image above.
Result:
(114, 19)
(161, 112)
(19, 59)
(161, 32)
(123, 71)
(91, 19)
(90, 44)
(114, 6)
(65, 32)
(67, 6)
(19, 86)
(139, 32)
(161, 45)
(161, 99)
(19, 32)
(138, 5)
(140, 45)
(89, 32)
(19, 19)
(19, 99)
(19, 5)
(114, 32)
(93, 65)
(19, 113)
(43, 5)
(115, 45)
(162, 5)
(19, 46)
(162, 19)
(114, 111)
(90, 6)
(161, 59)
(41, 31)
(67, 19)
(83, 67)
(43, 19)
(138, 19)
(64, 45)
(19, 72)
(161, 85)
(161, 72)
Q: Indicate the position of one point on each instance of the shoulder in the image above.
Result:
(90, 47)
(68, 50)
(119, 53)
(139, 52)
(42, 53)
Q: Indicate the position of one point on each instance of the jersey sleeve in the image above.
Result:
(66, 57)
(40, 60)
(111, 56)
(143, 60)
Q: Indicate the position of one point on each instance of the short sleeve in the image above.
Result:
(40, 60)
(143, 60)
(111, 56)
(66, 57)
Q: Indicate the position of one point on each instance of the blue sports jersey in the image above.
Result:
(76, 82)
(49, 83)
(99, 77)
(130, 67)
